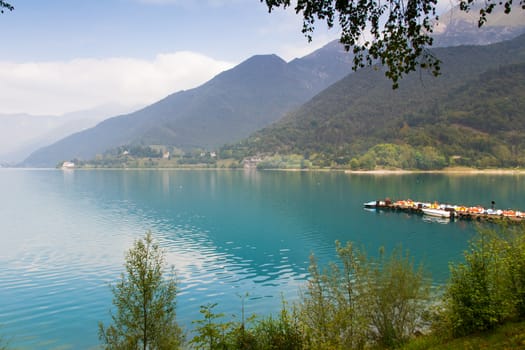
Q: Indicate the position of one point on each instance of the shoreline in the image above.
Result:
(446, 171)
(450, 171)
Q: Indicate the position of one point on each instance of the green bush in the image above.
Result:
(211, 334)
(397, 296)
(282, 332)
(363, 301)
(268, 333)
(329, 306)
(489, 287)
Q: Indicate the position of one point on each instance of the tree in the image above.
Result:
(5, 5)
(396, 33)
(145, 303)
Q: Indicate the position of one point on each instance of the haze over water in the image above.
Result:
(63, 236)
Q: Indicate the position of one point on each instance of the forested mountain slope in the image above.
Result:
(473, 114)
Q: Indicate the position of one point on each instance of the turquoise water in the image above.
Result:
(63, 236)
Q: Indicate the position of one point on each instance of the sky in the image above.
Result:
(60, 56)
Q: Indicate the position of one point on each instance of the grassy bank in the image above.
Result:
(507, 336)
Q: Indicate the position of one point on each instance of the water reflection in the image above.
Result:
(436, 220)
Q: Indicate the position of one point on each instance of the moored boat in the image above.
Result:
(371, 204)
(441, 213)
(377, 204)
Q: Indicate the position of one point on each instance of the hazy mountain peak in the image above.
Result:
(457, 27)
(262, 59)
(498, 18)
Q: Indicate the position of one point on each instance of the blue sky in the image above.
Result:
(224, 29)
(60, 56)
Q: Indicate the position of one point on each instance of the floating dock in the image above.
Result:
(448, 211)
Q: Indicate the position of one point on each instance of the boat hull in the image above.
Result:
(371, 205)
(436, 212)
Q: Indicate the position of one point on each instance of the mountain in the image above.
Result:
(473, 111)
(227, 108)
(22, 134)
(457, 27)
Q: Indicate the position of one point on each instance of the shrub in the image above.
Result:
(361, 301)
(397, 296)
(489, 287)
(211, 334)
(282, 332)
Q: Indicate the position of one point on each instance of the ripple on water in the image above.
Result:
(56, 266)
(49, 288)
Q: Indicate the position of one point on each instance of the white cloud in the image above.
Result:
(60, 87)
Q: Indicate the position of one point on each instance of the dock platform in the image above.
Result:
(452, 212)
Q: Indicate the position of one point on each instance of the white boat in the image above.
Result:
(374, 204)
(441, 213)
(371, 204)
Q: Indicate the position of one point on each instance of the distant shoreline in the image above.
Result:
(451, 171)
(446, 171)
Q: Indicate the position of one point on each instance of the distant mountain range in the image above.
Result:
(229, 107)
(22, 134)
(264, 89)
(474, 113)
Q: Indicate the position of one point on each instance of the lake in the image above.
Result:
(63, 236)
